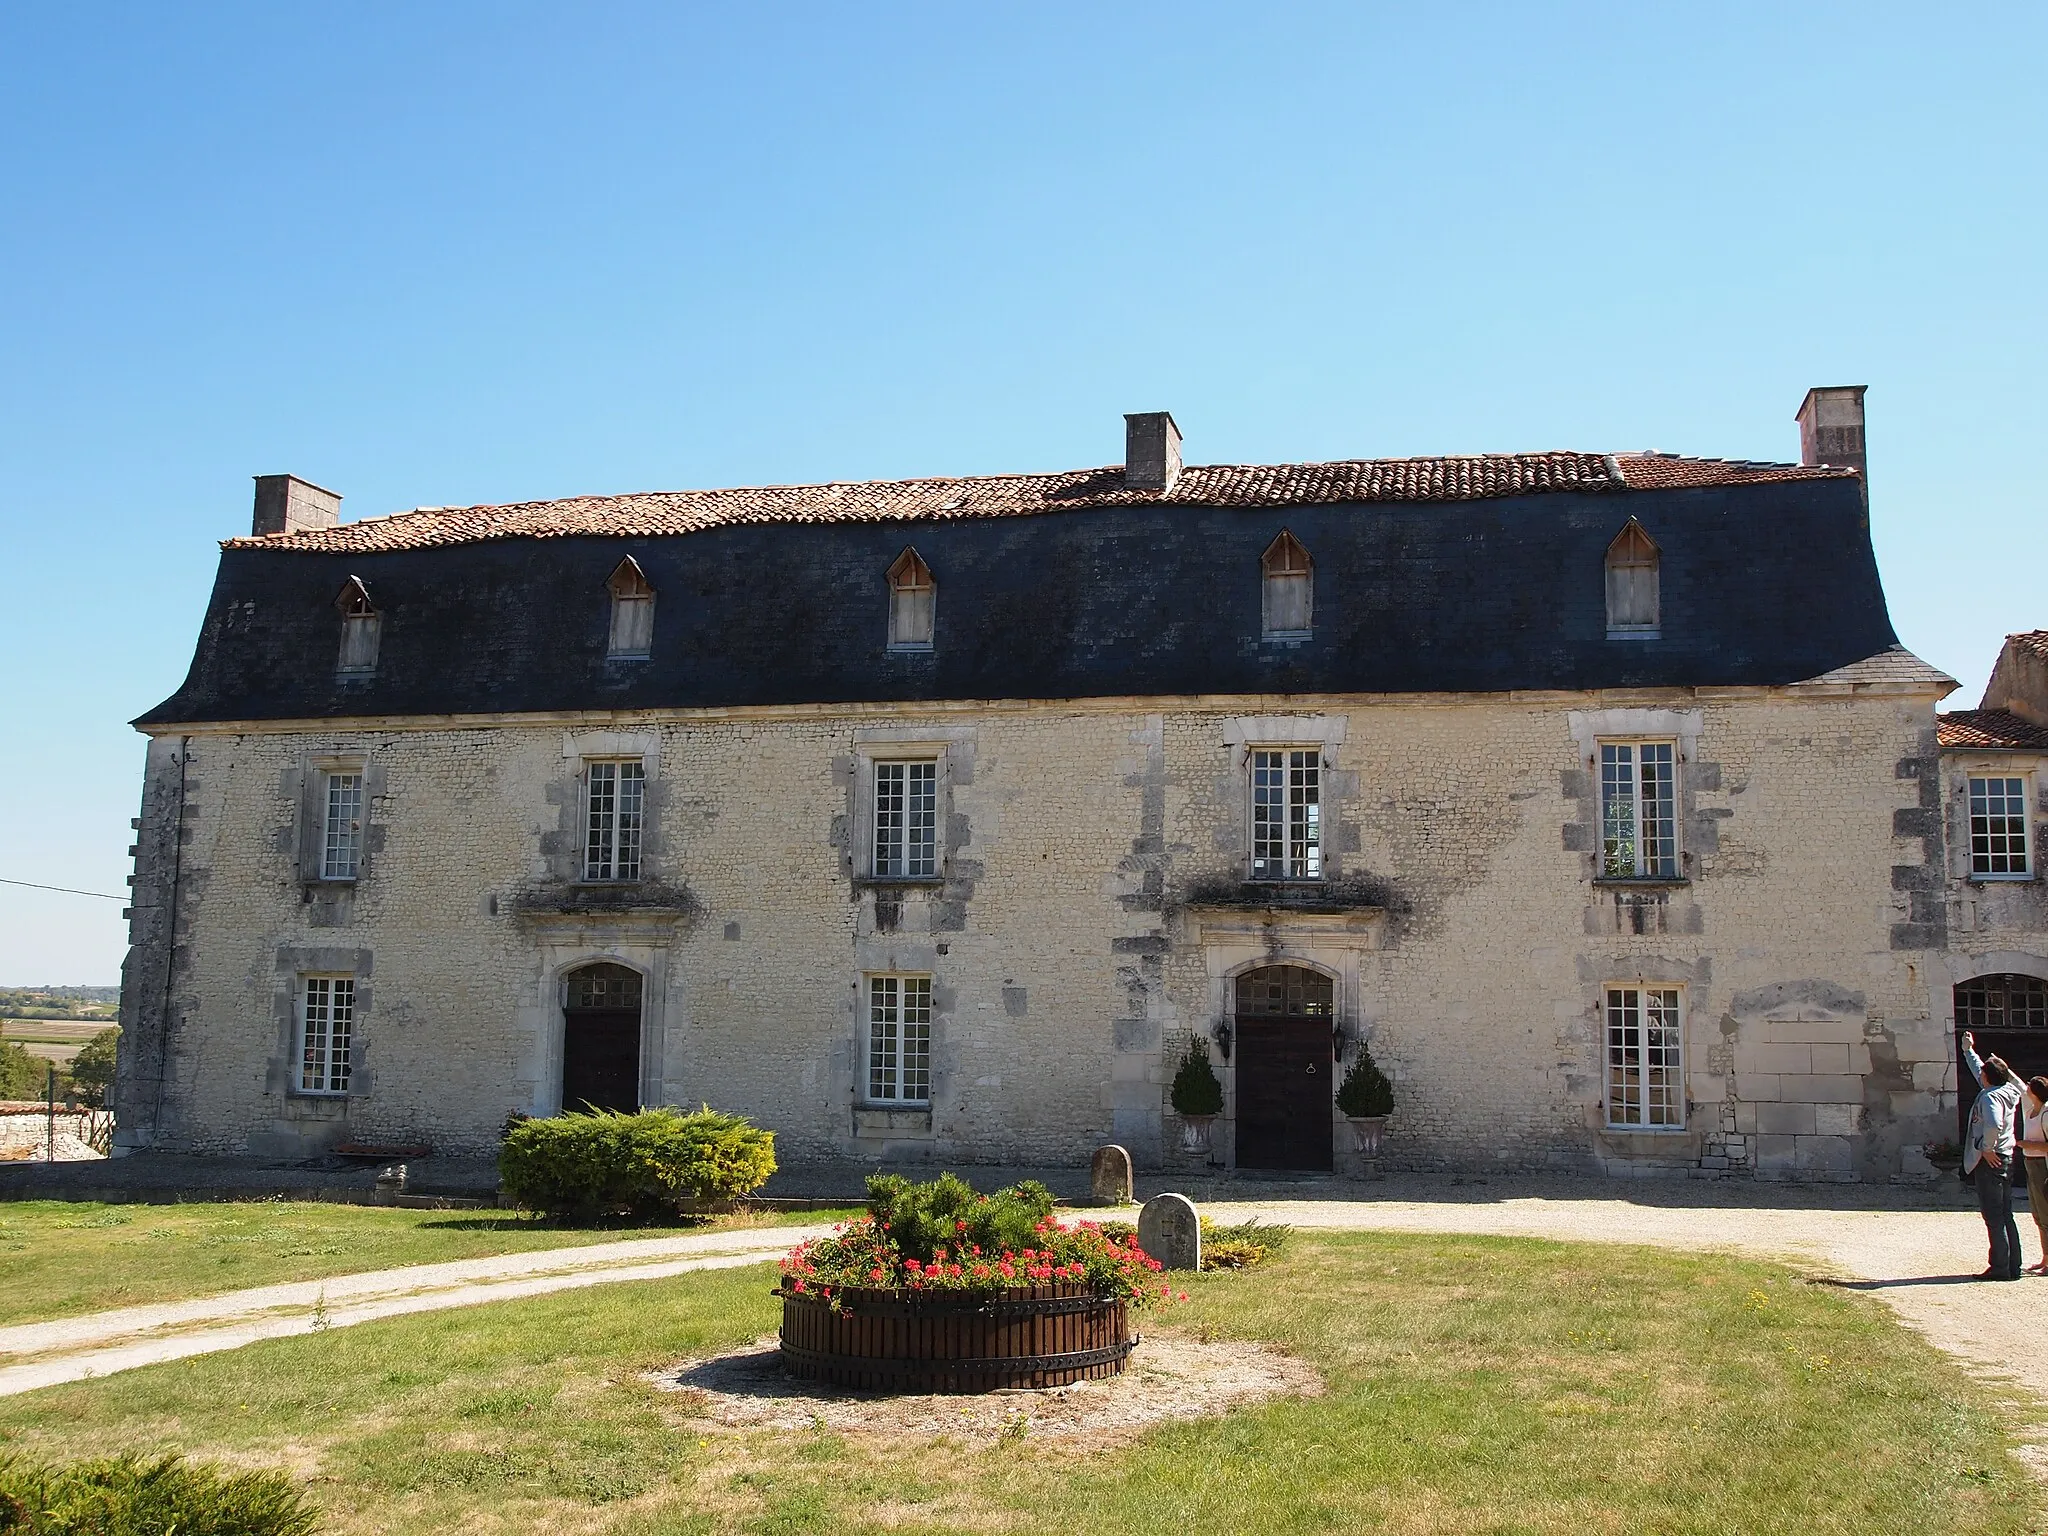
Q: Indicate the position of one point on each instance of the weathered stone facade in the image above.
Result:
(1090, 916)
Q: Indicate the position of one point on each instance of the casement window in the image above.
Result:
(913, 603)
(361, 629)
(632, 633)
(1638, 810)
(614, 796)
(1645, 1078)
(341, 825)
(1999, 841)
(899, 1039)
(1287, 602)
(327, 1016)
(1633, 600)
(906, 820)
(1287, 813)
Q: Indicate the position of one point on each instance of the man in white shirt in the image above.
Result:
(1987, 1148)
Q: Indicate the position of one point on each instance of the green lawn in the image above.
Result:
(1475, 1386)
(61, 1258)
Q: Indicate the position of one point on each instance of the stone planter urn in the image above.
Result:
(1367, 1133)
(1194, 1133)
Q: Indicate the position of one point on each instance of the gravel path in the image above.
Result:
(102, 1343)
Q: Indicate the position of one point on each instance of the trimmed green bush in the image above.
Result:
(128, 1496)
(646, 1165)
(1196, 1090)
(1365, 1091)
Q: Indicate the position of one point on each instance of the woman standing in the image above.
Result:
(2034, 1147)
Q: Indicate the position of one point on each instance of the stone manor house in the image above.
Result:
(936, 820)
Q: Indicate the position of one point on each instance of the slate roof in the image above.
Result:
(1990, 728)
(652, 514)
(1895, 664)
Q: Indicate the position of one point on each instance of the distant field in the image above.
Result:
(57, 1040)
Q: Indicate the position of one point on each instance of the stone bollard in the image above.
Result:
(1109, 1176)
(1170, 1230)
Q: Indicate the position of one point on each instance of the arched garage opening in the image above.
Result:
(2009, 1016)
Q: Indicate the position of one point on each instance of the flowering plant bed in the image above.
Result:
(940, 1289)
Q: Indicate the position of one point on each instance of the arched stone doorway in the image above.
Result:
(2009, 1016)
(601, 1038)
(1285, 1015)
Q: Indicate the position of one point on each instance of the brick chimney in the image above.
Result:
(1831, 430)
(287, 504)
(1151, 451)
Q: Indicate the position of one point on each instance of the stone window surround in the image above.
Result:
(1631, 1127)
(876, 1126)
(640, 942)
(1233, 942)
(865, 1055)
(1694, 984)
(1682, 727)
(1967, 765)
(950, 747)
(314, 770)
(579, 750)
(1245, 734)
(291, 964)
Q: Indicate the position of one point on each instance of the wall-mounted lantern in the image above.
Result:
(1220, 1033)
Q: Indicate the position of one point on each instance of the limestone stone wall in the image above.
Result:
(1090, 918)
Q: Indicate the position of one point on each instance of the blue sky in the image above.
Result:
(449, 254)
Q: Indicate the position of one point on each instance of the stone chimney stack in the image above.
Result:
(287, 504)
(1831, 430)
(1151, 451)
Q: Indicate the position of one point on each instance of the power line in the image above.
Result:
(67, 890)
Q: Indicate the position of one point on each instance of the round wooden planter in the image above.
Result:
(913, 1341)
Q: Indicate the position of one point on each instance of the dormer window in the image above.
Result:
(632, 637)
(913, 598)
(1632, 598)
(1289, 601)
(360, 627)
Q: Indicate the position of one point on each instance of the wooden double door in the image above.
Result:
(1285, 1016)
(601, 1039)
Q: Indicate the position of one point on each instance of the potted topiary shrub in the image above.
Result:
(1366, 1098)
(1197, 1098)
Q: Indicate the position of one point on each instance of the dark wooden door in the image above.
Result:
(601, 1059)
(1283, 1093)
(2009, 1016)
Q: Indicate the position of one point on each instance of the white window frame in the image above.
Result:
(2017, 823)
(344, 794)
(1296, 853)
(898, 1012)
(326, 1015)
(905, 804)
(1633, 803)
(614, 820)
(1642, 1031)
